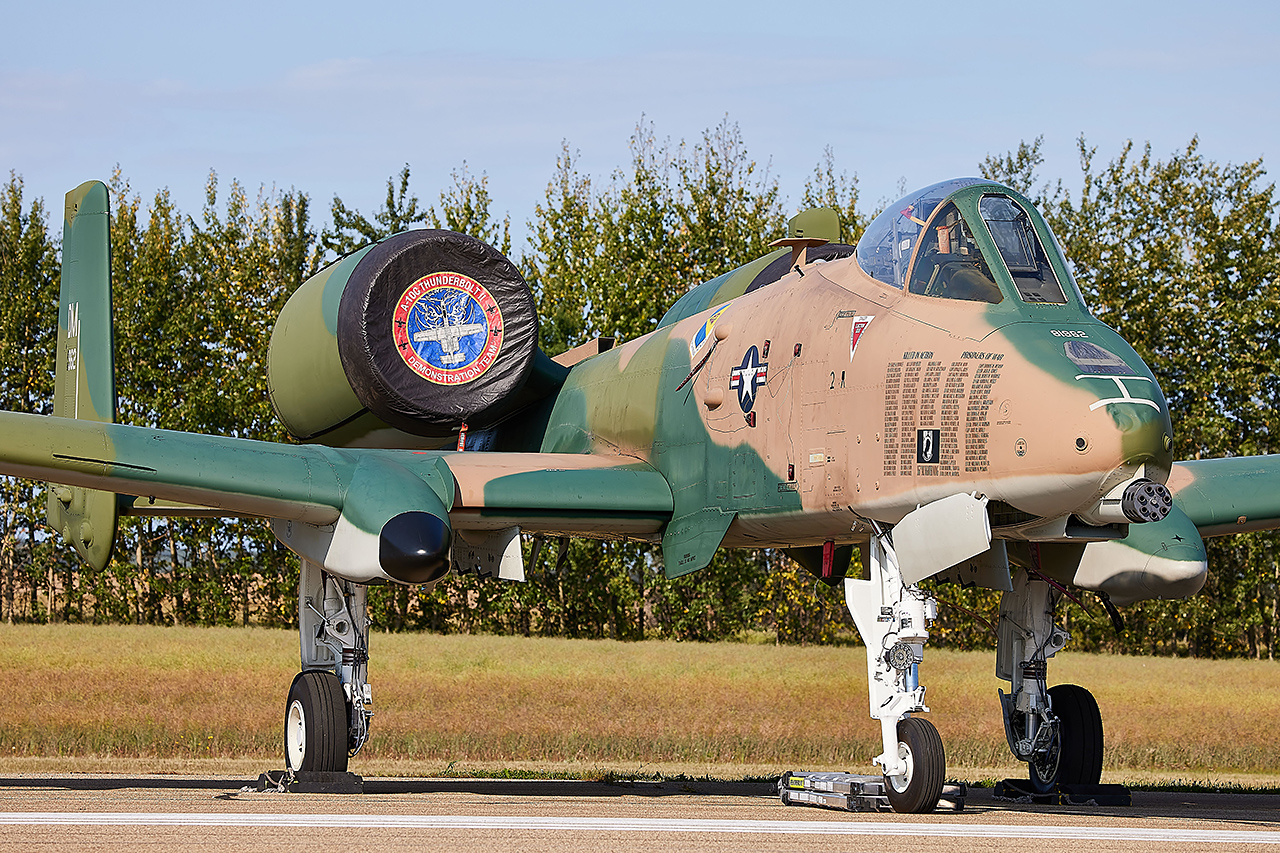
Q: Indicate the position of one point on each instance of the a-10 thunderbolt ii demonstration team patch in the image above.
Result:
(447, 328)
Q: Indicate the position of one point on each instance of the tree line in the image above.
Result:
(1178, 254)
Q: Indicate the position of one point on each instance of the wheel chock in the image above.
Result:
(310, 782)
(1021, 790)
(851, 792)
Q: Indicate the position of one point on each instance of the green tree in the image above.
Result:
(563, 258)
(350, 229)
(465, 208)
(29, 275)
(729, 209)
(828, 188)
(639, 219)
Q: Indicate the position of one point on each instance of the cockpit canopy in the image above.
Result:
(932, 243)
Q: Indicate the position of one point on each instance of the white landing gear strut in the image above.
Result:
(893, 619)
(1058, 730)
(330, 703)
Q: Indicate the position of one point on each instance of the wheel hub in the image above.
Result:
(296, 735)
(1045, 762)
(901, 782)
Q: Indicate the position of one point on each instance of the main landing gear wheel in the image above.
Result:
(315, 723)
(917, 791)
(1075, 757)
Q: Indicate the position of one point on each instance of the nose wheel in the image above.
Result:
(917, 790)
(315, 723)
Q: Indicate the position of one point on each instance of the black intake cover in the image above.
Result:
(410, 329)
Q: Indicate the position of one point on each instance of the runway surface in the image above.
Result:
(105, 813)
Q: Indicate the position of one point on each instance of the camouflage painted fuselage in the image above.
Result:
(798, 407)
(789, 403)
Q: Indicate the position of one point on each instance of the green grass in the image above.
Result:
(180, 698)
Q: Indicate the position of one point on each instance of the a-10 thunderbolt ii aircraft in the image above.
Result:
(938, 397)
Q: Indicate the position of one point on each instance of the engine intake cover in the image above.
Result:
(436, 329)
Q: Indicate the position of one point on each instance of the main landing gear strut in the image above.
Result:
(1056, 730)
(893, 619)
(330, 703)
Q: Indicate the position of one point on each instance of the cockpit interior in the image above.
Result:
(931, 243)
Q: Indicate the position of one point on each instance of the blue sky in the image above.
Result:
(333, 98)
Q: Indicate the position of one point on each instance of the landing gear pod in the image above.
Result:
(427, 330)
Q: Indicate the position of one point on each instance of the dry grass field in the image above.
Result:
(143, 699)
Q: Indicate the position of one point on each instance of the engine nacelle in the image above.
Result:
(426, 329)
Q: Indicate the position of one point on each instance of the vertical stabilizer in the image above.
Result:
(84, 386)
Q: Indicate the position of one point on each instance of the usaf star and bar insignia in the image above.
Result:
(746, 379)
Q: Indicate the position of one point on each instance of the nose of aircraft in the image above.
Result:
(1145, 432)
(1126, 429)
(1107, 429)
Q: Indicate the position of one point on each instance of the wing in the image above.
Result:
(1234, 495)
(343, 508)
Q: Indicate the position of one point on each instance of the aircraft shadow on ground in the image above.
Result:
(1243, 809)
(491, 787)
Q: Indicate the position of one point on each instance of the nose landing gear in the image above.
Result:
(893, 617)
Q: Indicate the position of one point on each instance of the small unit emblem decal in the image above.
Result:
(700, 336)
(855, 334)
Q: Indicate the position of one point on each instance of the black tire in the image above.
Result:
(917, 792)
(315, 723)
(1076, 758)
(383, 379)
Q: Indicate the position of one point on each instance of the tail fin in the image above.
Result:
(84, 384)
